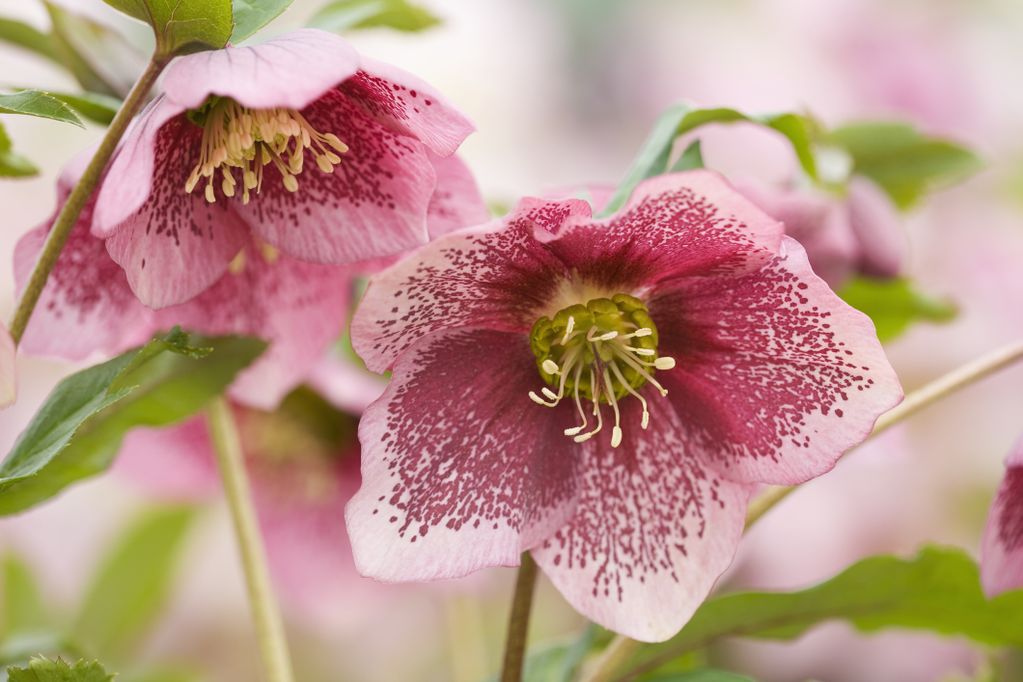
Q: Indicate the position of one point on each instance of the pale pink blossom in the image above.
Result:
(605, 394)
(1001, 559)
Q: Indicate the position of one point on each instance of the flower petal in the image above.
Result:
(409, 105)
(457, 201)
(87, 305)
(494, 276)
(776, 376)
(652, 532)
(875, 222)
(299, 307)
(373, 204)
(345, 385)
(289, 71)
(128, 183)
(1001, 555)
(176, 244)
(8, 372)
(460, 469)
(175, 462)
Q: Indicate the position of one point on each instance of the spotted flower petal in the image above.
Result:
(1001, 558)
(453, 483)
(653, 530)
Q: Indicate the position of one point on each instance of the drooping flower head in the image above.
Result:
(8, 376)
(326, 155)
(604, 393)
(88, 306)
(1001, 557)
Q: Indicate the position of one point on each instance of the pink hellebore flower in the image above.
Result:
(303, 460)
(299, 307)
(604, 393)
(8, 376)
(1001, 555)
(858, 235)
(328, 156)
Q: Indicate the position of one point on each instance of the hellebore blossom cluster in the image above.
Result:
(1001, 560)
(605, 394)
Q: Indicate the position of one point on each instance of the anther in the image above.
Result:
(550, 366)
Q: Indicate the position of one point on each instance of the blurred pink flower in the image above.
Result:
(859, 234)
(8, 373)
(303, 460)
(242, 127)
(763, 376)
(300, 307)
(1001, 560)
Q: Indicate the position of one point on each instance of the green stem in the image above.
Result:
(622, 648)
(273, 644)
(518, 622)
(76, 201)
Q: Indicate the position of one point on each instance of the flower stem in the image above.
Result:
(621, 648)
(68, 215)
(269, 626)
(518, 622)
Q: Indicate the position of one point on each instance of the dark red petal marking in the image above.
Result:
(460, 469)
(374, 203)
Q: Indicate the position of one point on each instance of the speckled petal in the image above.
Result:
(652, 532)
(776, 376)
(289, 71)
(1001, 554)
(407, 104)
(460, 469)
(373, 204)
(176, 244)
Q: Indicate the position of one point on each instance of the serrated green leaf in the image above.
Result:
(252, 15)
(904, 162)
(13, 165)
(400, 15)
(692, 157)
(937, 591)
(29, 38)
(131, 585)
(680, 119)
(77, 431)
(38, 103)
(894, 305)
(23, 608)
(41, 669)
(182, 26)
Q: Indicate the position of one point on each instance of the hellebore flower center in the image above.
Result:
(600, 352)
(249, 139)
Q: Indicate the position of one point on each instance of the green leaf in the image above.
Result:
(37, 103)
(399, 15)
(905, 163)
(29, 38)
(92, 105)
(131, 586)
(691, 158)
(801, 131)
(23, 608)
(252, 15)
(182, 26)
(45, 670)
(894, 305)
(98, 57)
(78, 430)
(13, 165)
(938, 591)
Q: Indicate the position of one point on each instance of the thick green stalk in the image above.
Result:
(273, 644)
(68, 215)
(518, 621)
